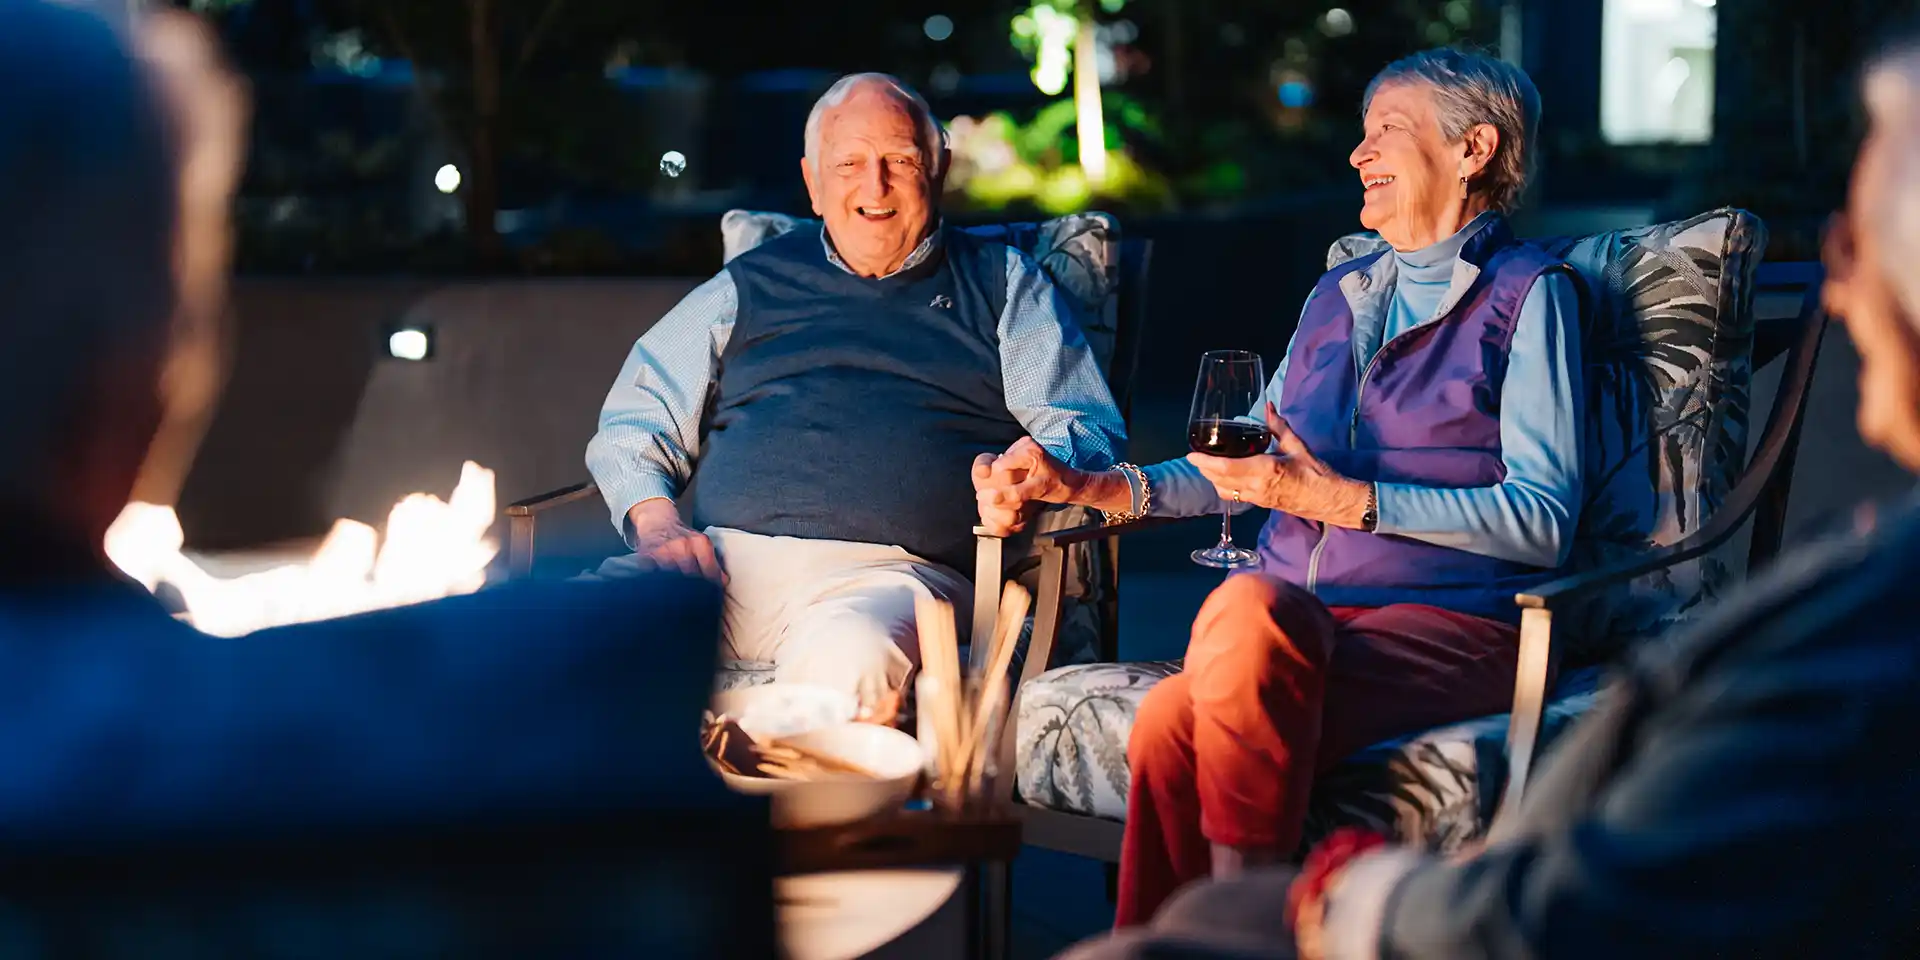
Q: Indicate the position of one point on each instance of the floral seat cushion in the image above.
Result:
(1080, 253)
(1666, 341)
(1436, 788)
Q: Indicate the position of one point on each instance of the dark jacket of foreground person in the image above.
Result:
(1750, 788)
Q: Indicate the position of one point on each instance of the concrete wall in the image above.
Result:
(318, 423)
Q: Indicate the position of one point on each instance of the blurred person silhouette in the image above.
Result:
(1745, 789)
(126, 730)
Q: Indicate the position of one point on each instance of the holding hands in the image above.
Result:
(1012, 486)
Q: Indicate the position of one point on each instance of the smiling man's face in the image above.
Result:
(873, 185)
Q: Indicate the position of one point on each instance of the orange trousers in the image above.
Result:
(1277, 688)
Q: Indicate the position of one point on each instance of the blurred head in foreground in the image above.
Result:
(119, 150)
(1870, 254)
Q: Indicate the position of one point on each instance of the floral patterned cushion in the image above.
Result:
(1436, 789)
(735, 674)
(1668, 331)
(1080, 253)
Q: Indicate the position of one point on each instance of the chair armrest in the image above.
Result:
(1091, 531)
(1533, 672)
(1559, 594)
(551, 499)
(522, 521)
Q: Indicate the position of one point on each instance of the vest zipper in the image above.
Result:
(1353, 437)
(1313, 560)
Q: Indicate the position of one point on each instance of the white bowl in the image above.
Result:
(893, 757)
(784, 709)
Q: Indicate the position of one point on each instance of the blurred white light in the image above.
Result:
(938, 27)
(447, 178)
(673, 163)
(408, 344)
(1336, 22)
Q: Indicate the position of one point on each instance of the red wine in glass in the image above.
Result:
(1228, 420)
(1228, 438)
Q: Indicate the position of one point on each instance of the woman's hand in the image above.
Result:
(1291, 480)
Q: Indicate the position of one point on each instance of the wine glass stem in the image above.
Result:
(1226, 525)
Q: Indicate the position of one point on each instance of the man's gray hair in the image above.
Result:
(87, 184)
(932, 137)
(1471, 89)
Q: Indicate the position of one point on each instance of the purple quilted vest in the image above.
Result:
(1425, 411)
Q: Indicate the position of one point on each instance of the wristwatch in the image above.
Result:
(1370, 520)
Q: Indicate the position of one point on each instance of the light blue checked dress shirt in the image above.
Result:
(649, 438)
(1530, 516)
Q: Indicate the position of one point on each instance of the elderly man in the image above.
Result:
(819, 401)
(1425, 467)
(1746, 790)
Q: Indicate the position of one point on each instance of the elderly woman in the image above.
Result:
(1746, 788)
(1425, 468)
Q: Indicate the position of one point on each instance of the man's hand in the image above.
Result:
(1292, 481)
(661, 539)
(1011, 487)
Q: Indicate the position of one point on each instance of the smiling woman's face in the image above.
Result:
(1410, 173)
(872, 185)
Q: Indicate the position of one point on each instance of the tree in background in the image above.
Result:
(475, 62)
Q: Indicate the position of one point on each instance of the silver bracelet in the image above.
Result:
(1139, 491)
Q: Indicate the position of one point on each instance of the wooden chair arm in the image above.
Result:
(1534, 672)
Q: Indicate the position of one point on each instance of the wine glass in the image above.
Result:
(1228, 421)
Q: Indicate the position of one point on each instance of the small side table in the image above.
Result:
(983, 841)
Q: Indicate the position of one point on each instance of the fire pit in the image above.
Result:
(431, 549)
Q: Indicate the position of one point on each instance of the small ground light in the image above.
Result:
(409, 343)
(447, 178)
(673, 163)
(938, 27)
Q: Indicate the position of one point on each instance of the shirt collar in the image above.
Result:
(1369, 290)
(914, 259)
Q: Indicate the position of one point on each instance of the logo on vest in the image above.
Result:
(941, 301)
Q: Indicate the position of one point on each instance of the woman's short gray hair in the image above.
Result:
(932, 137)
(1471, 89)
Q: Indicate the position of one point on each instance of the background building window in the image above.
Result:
(1656, 71)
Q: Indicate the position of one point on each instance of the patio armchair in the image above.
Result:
(1678, 317)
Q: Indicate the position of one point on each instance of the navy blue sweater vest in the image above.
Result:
(850, 408)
